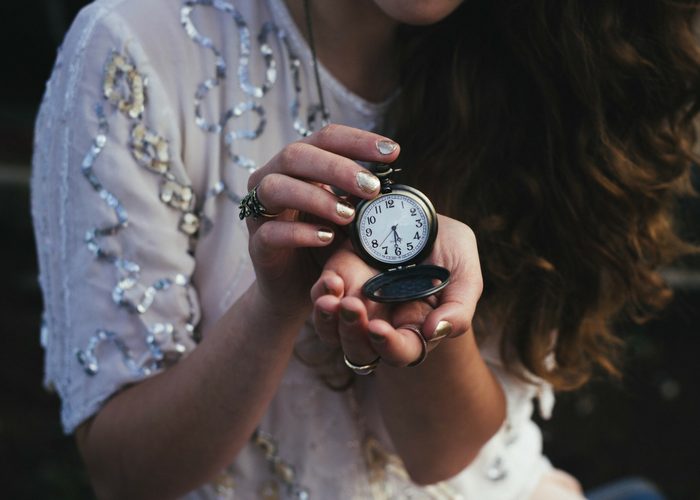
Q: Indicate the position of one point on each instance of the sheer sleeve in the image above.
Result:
(114, 218)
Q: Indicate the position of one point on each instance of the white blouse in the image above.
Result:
(156, 113)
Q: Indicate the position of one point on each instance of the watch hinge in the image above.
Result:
(400, 268)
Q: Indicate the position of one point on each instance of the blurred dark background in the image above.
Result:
(645, 424)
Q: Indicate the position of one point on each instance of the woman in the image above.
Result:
(179, 337)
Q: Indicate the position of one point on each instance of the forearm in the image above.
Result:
(442, 412)
(168, 434)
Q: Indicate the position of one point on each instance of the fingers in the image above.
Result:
(328, 157)
(354, 143)
(325, 294)
(325, 317)
(353, 333)
(279, 192)
(344, 322)
(397, 347)
(457, 302)
(341, 316)
(276, 234)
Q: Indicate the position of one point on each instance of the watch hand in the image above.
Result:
(385, 238)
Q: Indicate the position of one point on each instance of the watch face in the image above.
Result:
(396, 227)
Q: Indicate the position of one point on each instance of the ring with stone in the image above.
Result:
(251, 206)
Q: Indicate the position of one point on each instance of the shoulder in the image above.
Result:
(163, 28)
(122, 21)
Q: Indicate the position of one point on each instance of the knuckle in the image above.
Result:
(269, 185)
(254, 179)
(336, 165)
(264, 234)
(471, 235)
(296, 235)
(327, 131)
(479, 285)
(467, 325)
(395, 363)
(291, 153)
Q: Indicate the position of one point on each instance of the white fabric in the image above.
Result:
(319, 432)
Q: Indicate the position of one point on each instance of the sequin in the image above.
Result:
(125, 89)
(283, 471)
(314, 110)
(381, 465)
(224, 485)
(124, 86)
(270, 491)
(190, 224)
(497, 471)
(88, 357)
(252, 91)
(250, 109)
(176, 195)
(149, 149)
(221, 70)
(93, 236)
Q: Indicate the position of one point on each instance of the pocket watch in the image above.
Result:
(394, 232)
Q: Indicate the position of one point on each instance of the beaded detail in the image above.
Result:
(124, 91)
(252, 103)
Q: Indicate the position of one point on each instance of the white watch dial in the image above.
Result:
(394, 228)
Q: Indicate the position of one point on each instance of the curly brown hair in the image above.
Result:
(561, 131)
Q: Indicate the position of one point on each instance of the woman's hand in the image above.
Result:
(367, 330)
(295, 182)
(440, 414)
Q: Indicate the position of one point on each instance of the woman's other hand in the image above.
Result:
(367, 330)
(297, 181)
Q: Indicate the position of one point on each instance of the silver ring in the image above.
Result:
(250, 206)
(362, 369)
(424, 343)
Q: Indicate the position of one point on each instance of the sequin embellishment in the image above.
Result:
(124, 89)
(250, 90)
(250, 108)
(285, 474)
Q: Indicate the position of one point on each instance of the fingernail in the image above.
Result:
(386, 147)
(442, 330)
(367, 182)
(325, 235)
(349, 316)
(344, 209)
(375, 337)
(325, 315)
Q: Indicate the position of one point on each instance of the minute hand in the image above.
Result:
(393, 230)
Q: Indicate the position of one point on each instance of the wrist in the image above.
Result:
(272, 309)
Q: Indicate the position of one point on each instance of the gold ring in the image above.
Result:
(424, 344)
(362, 369)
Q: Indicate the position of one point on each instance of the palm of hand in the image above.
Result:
(366, 329)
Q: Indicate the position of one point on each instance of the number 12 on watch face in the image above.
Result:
(394, 228)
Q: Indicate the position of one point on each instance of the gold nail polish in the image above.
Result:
(345, 210)
(386, 147)
(367, 182)
(442, 330)
(325, 235)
